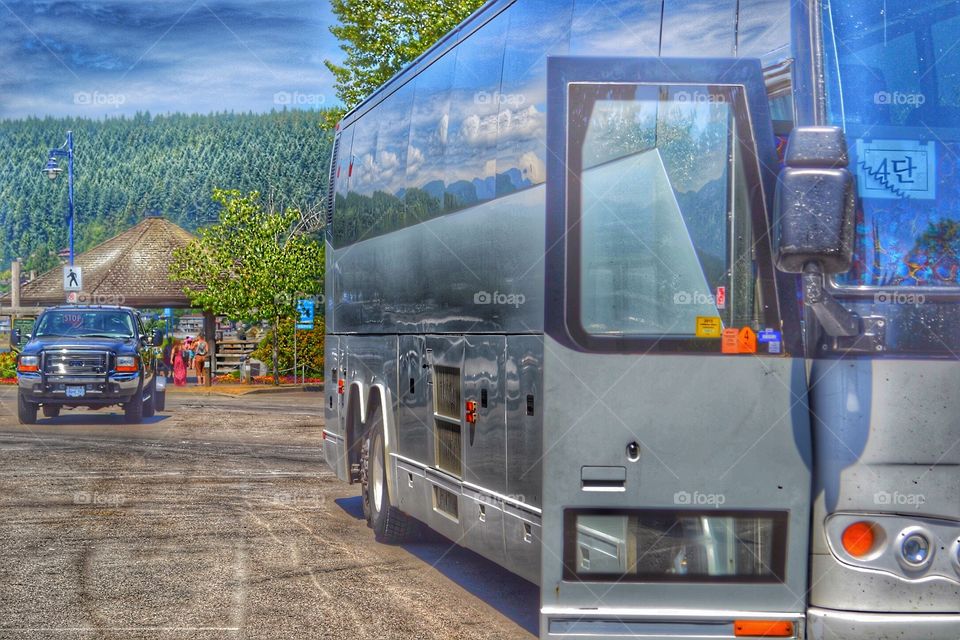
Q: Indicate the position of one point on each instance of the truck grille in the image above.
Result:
(75, 363)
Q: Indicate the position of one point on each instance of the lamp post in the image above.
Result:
(53, 171)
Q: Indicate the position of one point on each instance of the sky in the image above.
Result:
(103, 58)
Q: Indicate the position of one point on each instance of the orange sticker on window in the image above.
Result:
(747, 341)
(731, 341)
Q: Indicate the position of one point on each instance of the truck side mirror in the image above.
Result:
(15, 337)
(157, 337)
(816, 202)
(814, 211)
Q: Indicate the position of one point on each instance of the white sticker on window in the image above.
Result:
(896, 169)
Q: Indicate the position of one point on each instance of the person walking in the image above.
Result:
(179, 366)
(200, 351)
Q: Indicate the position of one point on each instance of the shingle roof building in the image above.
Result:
(130, 269)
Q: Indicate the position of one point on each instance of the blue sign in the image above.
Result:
(306, 310)
(769, 335)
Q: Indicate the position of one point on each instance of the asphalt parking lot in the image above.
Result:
(218, 519)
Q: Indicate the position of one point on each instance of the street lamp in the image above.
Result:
(53, 171)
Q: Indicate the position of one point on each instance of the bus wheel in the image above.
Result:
(389, 524)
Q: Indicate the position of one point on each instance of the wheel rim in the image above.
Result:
(376, 478)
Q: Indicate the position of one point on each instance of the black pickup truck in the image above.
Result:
(88, 356)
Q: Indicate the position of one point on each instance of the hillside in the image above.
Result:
(126, 167)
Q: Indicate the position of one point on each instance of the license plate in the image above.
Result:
(76, 392)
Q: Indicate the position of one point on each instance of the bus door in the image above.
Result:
(676, 448)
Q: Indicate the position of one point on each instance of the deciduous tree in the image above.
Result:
(380, 36)
(252, 265)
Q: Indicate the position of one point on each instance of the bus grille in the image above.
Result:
(75, 363)
(446, 501)
(446, 392)
(448, 447)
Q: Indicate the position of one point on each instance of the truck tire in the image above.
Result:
(26, 411)
(389, 524)
(51, 410)
(150, 406)
(133, 410)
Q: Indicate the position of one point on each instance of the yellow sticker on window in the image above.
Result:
(709, 327)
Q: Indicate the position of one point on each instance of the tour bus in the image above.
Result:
(655, 304)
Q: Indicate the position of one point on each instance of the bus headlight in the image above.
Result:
(915, 549)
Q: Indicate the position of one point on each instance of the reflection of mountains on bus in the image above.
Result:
(365, 216)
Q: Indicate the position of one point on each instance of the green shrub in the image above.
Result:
(309, 349)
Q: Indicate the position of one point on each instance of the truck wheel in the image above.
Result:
(51, 410)
(150, 406)
(133, 410)
(26, 411)
(389, 524)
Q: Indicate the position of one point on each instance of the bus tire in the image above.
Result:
(389, 524)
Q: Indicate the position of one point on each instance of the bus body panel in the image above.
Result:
(886, 431)
(333, 447)
(752, 450)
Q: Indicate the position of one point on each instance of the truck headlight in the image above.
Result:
(127, 364)
(28, 363)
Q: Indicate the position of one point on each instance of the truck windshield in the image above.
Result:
(893, 83)
(85, 323)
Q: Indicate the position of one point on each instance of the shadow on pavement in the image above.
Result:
(81, 418)
(353, 506)
(506, 592)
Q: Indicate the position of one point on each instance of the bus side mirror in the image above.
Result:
(15, 337)
(816, 202)
(814, 210)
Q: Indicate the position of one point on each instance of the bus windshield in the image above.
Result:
(893, 83)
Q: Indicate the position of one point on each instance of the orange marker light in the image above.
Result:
(28, 367)
(858, 539)
(763, 629)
